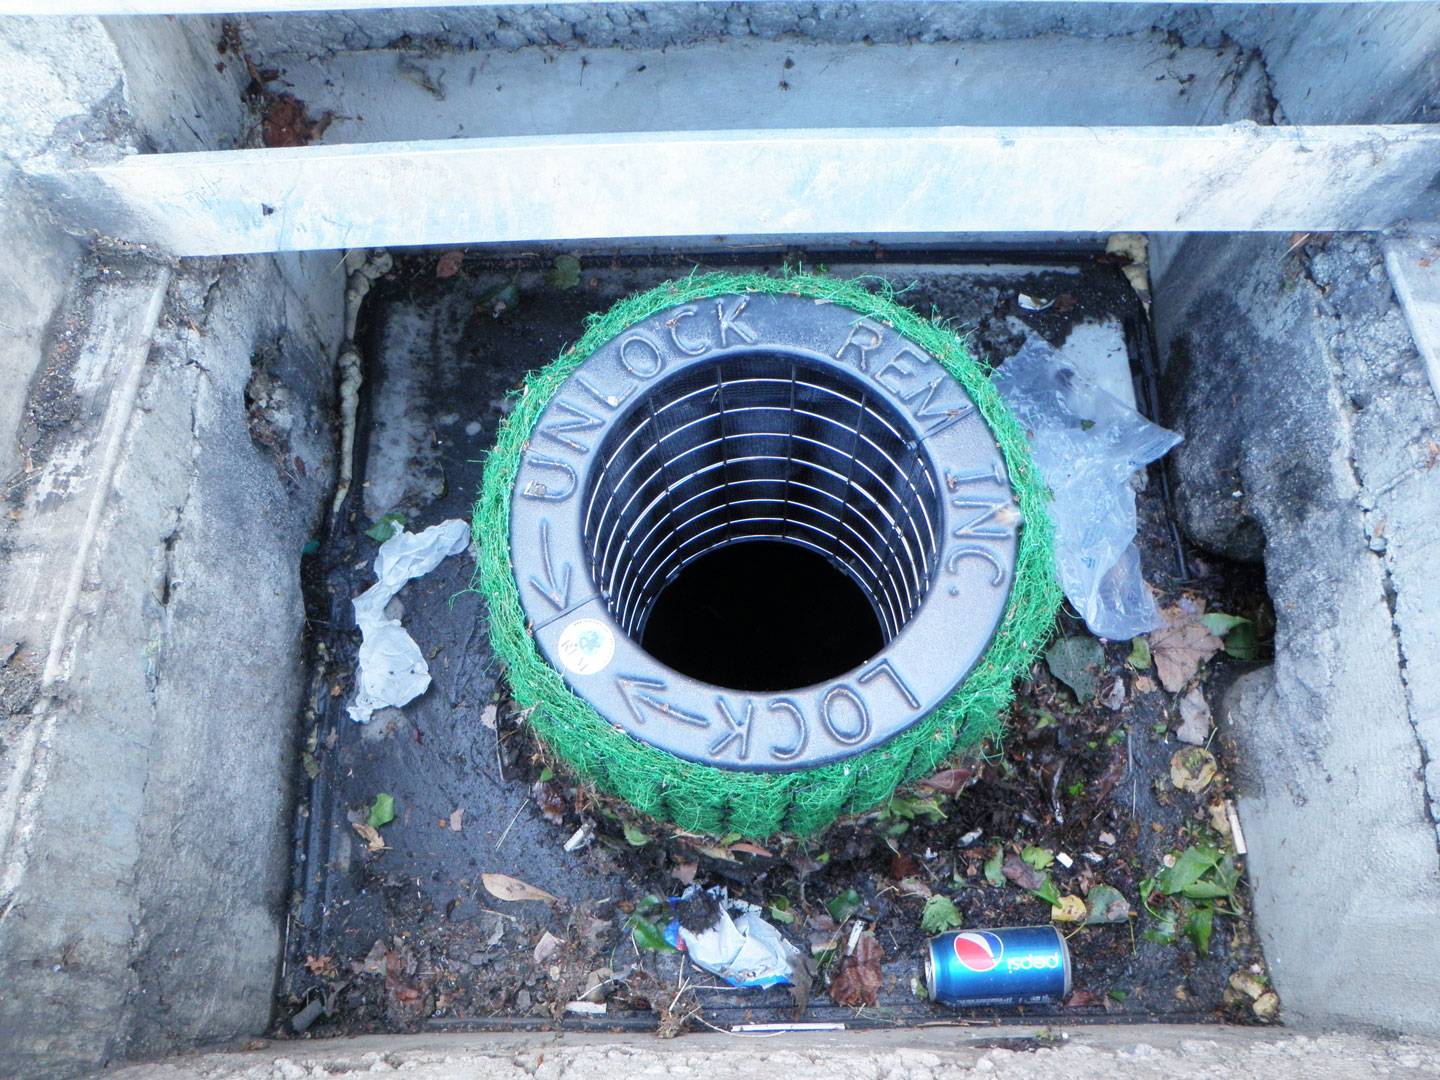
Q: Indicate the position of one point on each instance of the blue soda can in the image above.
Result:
(1021, 965)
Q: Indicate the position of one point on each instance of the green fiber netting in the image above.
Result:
(702, 798)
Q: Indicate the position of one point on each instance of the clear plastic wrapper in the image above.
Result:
(1087, 444)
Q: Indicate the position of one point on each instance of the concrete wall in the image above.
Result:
(1309, 427)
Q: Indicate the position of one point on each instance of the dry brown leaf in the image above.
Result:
(858, 977)
(1180, 648)
(950, 781)
(749, 848)
(1194, 718)
(684, 872)
(546, 947)
(1192, 768)
(914, 887)
(449, 264)
(321, 966)
(457, 819)
(1022, 873)
(371, 835)
(505, 887)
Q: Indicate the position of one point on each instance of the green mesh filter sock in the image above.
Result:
(703, 798)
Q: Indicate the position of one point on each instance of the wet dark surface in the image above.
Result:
(410, 935)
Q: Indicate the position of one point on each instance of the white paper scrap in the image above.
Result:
(392, 669)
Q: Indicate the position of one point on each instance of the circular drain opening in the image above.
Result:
(788, 457)
(763, 615)
(580, 561)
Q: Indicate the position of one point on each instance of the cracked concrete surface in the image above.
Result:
(1309, 425)
(153, 572)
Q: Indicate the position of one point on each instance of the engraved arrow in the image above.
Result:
(557, 594)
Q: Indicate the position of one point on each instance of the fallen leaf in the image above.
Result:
(802, 977)
(286, 123)
(635, 836)
(1078, 999)
(940, 914)
(1144, 684)
(1244, 984)
(1180, 648)
(546, 947)
(1070, 909)
(1139, 657)
(844, 905)
(505, 887)
(488, 716)
(994, 868)
(1022, 873)
(370, 835)
(1032, 303)
(913, 887)
(1037, 857)
(750, 849)
(457, 819)
(1192, 768)
(382, 812)
(1106, 904)
(684, 872)
(1267, 1005)
(1114, 698)
(566, 272)
(550, 799)
(1194, 718)
(1076, 662)
(449, 264)
(373, 963)
(950, 781)
(858, 977)
(321, 966)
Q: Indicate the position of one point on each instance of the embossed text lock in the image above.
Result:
(763, 418)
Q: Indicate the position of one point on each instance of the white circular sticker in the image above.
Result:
(586, 646)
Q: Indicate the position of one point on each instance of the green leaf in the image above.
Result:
(635, 837)
(844, 905)
(566, 274)
(1197, 928)
(1048, 892)
(1242, 642)
(780, 910)
(648, 935)
(940, 914)
(1106, 904)
(547, 774)
(1038, 857)
(1139, 657)
(1220, 625)
(1204, 890)
(384, 527)
(1190, 866)
(1164, 931)
(1076, 662)
(1116, 994)
(312, 767)
(382, 812)
(311, 546)
(995, 868)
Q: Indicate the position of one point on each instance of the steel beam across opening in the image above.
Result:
(1236, 178)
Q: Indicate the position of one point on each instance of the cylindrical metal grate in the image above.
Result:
(762, 446)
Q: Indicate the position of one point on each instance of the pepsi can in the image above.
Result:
(1020, 965)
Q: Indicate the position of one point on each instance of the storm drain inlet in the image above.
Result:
(760, 549)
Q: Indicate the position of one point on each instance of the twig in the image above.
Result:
(511, 825)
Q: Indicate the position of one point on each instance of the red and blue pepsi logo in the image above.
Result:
(978, 950)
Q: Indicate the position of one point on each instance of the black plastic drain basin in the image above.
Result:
(696, 444)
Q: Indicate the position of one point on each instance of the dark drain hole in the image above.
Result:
(762, 615)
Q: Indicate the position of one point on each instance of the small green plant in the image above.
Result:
(1185, 897)
(900, 812)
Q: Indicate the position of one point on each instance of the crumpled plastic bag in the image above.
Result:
(740, 947)
(392, 669)
(1086, 444)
